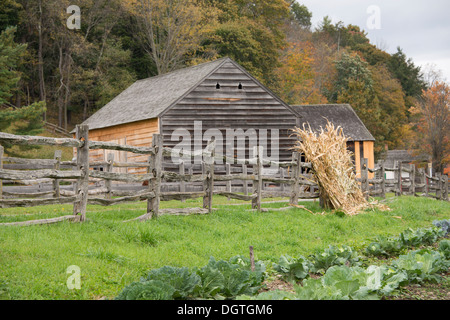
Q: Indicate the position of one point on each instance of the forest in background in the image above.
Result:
(49, 72)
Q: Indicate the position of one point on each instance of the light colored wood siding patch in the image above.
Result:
(137, 134)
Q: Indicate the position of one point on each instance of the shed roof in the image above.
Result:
(390, 157)
(148, 98)
(341, 115)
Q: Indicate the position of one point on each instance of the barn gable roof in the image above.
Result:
(339, 114)
(151, 97)
(147, 98)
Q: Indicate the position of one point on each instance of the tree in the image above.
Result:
(393, 117)
(9, 16)
(301, 14)
(432, 112)
(102, 67)
(251, 33)
(170, 29)
(297, 75)
(407, 73)
(24, 120)
(10, 56)
(366, 105)
(350, 67)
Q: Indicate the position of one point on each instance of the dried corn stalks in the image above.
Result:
(332, 168)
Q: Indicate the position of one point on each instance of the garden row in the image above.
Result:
(335, 273)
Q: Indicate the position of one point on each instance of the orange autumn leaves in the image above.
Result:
(432, 119)
(299, 75)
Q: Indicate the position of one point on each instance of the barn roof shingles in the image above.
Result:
(341, 115)
(147, 98)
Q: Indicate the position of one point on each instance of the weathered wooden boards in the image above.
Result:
(43, 221)
(414, 182)
(155, 176)
(247, 108)
(37, 140)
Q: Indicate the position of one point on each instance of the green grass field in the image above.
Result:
(111, 254)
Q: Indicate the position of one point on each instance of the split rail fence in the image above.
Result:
(80, 172)
(408, 180)
(293, 180)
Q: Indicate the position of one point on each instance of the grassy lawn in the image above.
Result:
(111, 254)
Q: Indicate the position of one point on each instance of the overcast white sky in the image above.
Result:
(420, 27)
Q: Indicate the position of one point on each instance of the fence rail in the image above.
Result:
(416, 182)
(217, 177)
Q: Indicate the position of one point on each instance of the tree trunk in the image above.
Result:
(42, 94)
(67, 86)
(60, 89)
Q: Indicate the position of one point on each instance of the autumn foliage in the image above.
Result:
(76, 72)
(432, 120)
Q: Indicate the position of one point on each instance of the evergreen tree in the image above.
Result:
(407, 73)
(10, 55)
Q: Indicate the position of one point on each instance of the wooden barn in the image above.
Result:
(220, 99)
(210, 99)
(361, 141)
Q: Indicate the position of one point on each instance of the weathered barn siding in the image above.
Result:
(137, 134)
(218, 95)
(252, 107)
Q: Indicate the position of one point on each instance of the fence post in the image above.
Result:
(57, 157)
(109, 168)
(257, 183)
(155, 182)
(282, 187)
(412, 179)
(208, 183)
(244, 182)
(445, 188)
(182, 183)
(79, 206)
(423, 181)
(296, 158)
(228, 172)
(1, 168)
(383, 180)
(439, 186)
(252, 259)
(399, 190)
(365, 177)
